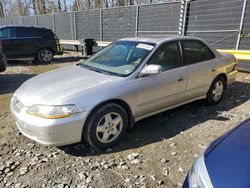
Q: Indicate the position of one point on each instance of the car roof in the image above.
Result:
(159, 39)
(24, 26)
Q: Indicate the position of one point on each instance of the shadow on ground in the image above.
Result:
(57, 60)
(171, 123)
(10, 82)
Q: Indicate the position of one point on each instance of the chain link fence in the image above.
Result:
(216, 21)
(222, 23)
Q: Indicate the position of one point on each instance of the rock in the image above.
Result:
(133, 156)
(89, 179)
(2, 167)
(30, 145)
(124, 167)
(18, 185)
(23, 171)
(160, 182)
(166, 173)
(8, 184)
(9, 163)
(82, 176)
(180, 169)
(173, 153)
(9, 174)
(152, 177)
(127, 179)
(201, 146)
(44, 160)
(6, 170)
(164, 160)
(136, 161)
(61, 185)
(173, 144)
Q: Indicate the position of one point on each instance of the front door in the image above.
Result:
(156, 92)
(7, 41)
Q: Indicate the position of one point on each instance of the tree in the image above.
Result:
(1, 10)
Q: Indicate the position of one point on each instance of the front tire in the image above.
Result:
(216, 90)
(105, 126)
(45, 55)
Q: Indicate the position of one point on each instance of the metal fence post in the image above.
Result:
(20, 20)
(241, 24)
(185, 18)
(136, 20)
(53, 22)
(71, 25)
(36, 20)
(101, 31)
(182, 14)
(75, 25)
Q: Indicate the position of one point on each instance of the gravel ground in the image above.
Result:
(157, 153)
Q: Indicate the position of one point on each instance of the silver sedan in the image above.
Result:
(99, 99)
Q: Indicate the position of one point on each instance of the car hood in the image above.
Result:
(228, 160)
(56, 87)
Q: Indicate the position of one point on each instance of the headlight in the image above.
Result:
(198, 176)
(51, 112)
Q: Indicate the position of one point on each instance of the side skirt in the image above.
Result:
(171, 107)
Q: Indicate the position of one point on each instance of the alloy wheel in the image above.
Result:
(109, 127)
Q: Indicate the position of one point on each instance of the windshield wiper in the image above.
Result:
(100, 71)
(94, 69)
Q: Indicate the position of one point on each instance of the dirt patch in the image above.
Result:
(157, 153)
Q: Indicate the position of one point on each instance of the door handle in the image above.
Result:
(180, 79)
(213, 70)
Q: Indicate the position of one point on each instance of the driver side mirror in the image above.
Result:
(151, 69)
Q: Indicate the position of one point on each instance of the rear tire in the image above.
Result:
(105, 126)
(45, 55)
(216, 90)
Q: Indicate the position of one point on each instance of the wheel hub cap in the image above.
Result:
(217, 90)
(109, 127)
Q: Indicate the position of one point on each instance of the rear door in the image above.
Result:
(156, 92)
(48, 39)
(200, 63)
(25, 41)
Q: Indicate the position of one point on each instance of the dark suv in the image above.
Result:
(3, 61)
(19, 42)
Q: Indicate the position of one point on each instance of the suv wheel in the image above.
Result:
(216, 90)
(105, 126)
(45, 55)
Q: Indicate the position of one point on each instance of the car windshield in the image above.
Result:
(119, 58)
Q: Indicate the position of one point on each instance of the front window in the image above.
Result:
(168, 56)
(120, 58)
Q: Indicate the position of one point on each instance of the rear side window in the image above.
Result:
(36, 33)
(24, 32)
(196, 51)
(7, 33)
(46, 34)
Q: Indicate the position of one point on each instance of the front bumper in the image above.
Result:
(49, 132)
